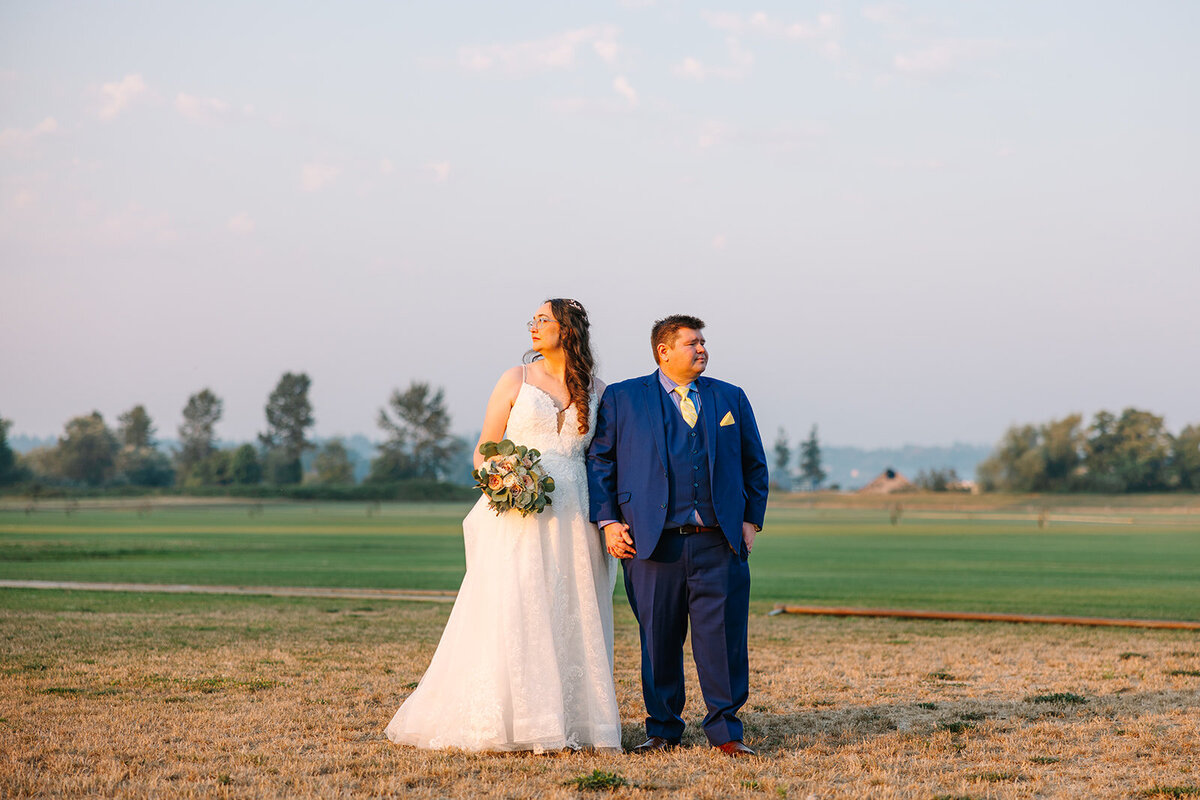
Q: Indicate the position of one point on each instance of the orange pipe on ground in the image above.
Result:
(979, 616)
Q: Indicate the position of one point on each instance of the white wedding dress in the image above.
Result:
(526, 659)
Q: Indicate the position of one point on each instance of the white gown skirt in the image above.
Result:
(526, 659)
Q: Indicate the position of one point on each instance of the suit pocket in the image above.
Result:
(623, 498)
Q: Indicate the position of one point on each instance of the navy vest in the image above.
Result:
(689, 486)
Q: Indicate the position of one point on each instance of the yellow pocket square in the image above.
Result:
(727, 419)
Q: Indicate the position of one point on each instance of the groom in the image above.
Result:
(678, 482)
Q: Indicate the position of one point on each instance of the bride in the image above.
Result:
(526, 659)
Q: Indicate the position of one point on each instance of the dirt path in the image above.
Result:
(272, 591)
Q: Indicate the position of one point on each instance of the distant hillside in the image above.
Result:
(23, 443)
(854, 467)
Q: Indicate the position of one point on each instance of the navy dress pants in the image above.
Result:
(696, 577)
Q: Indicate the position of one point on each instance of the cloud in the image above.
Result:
(761, 24)
(777, 138)
(622, 87)
(136, 225)
(441, 170)
(739, 65)
(559, 51)
(314, 177)
(884, 13)
(607, 49)
(944, 57)
(19, 137)
(200, 108)
(117, 96)
(711, 135)
(821, 33)
(242, 223)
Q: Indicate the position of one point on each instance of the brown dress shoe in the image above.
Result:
(735, 748)
(655, 744)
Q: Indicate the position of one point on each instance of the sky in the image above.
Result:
(904, 223)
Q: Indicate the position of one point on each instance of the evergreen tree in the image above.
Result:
(783, 458)
(810, 460)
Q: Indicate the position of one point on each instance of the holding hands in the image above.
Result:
(617, 540)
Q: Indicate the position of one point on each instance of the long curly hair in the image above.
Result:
(574, 334)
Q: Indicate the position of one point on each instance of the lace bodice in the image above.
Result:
(534, 422)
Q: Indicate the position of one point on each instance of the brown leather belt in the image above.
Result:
(692, 529)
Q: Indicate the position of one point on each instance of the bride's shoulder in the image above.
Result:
(509, 384)
(598, 386)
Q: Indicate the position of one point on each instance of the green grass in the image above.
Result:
(804, 557)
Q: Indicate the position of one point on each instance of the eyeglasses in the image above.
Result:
(538, 322)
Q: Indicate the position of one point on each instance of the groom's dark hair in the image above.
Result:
(667, 329)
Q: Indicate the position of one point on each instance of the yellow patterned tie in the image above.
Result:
(686, 406)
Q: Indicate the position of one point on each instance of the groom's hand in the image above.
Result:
(618, 541)
(748, 534)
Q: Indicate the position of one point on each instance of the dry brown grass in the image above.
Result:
(229, 697)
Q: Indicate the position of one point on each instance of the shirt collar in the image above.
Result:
(669, 385)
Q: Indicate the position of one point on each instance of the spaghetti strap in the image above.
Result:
(523, 374)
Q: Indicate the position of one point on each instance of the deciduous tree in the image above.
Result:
(87, 450)
(139, 462)
(197, 433)
(332, 466)
(10, 472)
(136, 429)
(1185, 458)
(289, 416)
(244, 467)
(419, 444)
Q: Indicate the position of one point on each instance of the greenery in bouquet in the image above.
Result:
(513, 479)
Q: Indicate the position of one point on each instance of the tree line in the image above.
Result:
(1132, 452)
(88, 453)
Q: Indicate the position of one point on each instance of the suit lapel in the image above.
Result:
(708, 411)
(650, 396)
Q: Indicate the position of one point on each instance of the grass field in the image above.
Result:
(147, 695)
(1128, 561)
(125, 695)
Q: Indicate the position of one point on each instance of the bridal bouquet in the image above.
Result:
(513, 478)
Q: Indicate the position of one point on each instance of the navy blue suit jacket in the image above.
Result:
(627, 460)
